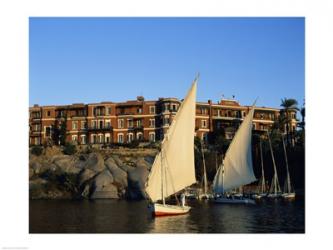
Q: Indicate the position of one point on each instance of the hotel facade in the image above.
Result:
(109, 122)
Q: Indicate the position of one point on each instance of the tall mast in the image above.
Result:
(275, 172)
(286, 159)
(162, 177)
(262, 169)
(222, 166)
(204, 165)
(216, 161)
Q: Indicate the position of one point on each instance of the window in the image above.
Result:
(152, 109)
(139, 123)
(152, 123)
(101, 124)
(120, 138)
(108, 110)
(94, 124)
(36, 127)
(203, 111)
(139, 136)
(120, 123)
(99, 111)
(35, 115)
(167, 107)
(139, 110)
(130, 123)
(74, 138)
(107, 138)
(93, 138)
(152, 136)
(83, 139)
(83, 125)
(166, 121)
(130, 137)
(48, 113)
(218, 112)
(100, 138)
(107, 123)
(203, 123)
(174, 107)
(74, 125)
(37, 140)
(48, 131)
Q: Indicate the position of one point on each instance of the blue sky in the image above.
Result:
(116, 59)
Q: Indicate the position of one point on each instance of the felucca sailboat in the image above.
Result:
(236, 169)
(288, 190)
(204, 187)
(275, 190)
(173, 168)
(261, 192)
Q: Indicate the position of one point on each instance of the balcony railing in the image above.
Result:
(99, 128)
(136, 128)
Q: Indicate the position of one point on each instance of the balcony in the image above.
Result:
(103, 128)
(136, 128)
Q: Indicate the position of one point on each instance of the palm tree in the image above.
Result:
(288, 104)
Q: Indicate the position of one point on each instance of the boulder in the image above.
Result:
(136, 182)
(107, 192)
(102, 179)
(95, 162)
(103, 187)
(49, 166)
(85, 175)
(121, 164)
(55, 158)
(119, 175)
(85, 192)
(35, 166)
(141, 162)
(66, 164)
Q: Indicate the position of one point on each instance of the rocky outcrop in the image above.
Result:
(103, 187)
(94, 175)
(119, 175)
(136, 182)
(66, 164)
(95, 162)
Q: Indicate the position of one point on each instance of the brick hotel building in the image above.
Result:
(108, 122)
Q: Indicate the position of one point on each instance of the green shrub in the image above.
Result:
(37, 150)
(69, 149)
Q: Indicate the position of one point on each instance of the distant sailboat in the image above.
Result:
(236, 169)
(173, 168)
(204, 194)
(288, 190)
(261, 192)
(275, 190)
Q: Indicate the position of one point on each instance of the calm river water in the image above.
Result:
(113, 216)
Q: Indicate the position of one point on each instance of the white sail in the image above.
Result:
(176, 158)
(237, 166)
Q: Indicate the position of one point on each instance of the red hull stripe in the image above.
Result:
(166, 213)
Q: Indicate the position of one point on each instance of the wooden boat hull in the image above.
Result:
(225, 200)
(289, 196)
(274, 196)
(168, 210)
(259, 196)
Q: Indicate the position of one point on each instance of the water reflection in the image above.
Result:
(112, 216)
(167, 224)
